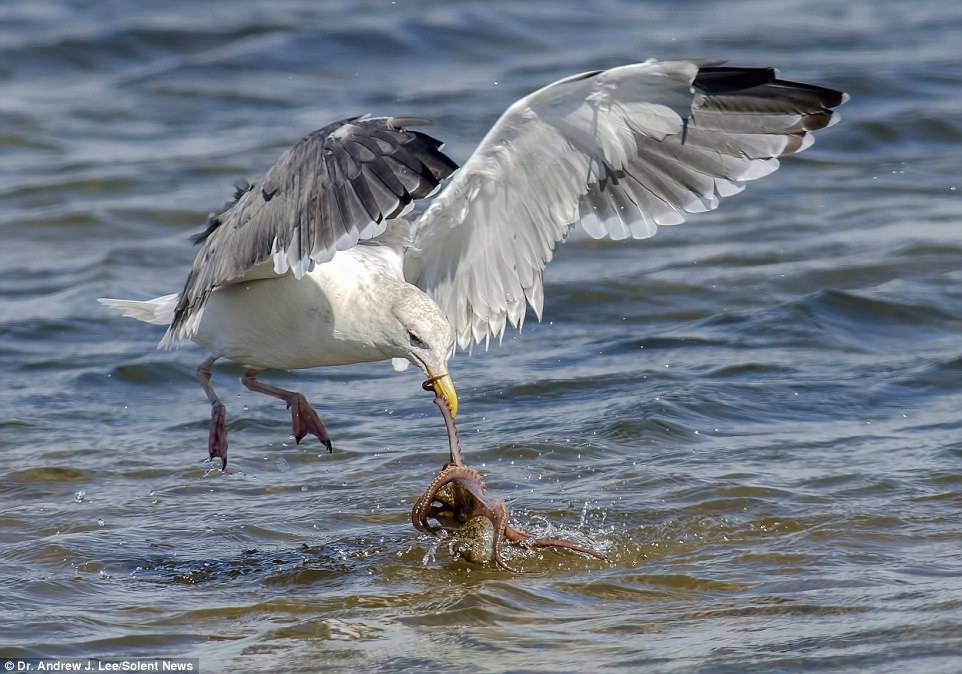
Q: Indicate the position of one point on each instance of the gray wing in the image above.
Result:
(619, 151)
(335, 187)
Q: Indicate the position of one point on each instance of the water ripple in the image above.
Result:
(755, 415)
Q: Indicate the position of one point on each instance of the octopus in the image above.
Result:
(456, 500)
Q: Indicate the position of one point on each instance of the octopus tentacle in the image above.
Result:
(468, 478)
(526, 540)
(467, 500)
(454, 441)
(470, 500)
(563, 543)
(500, 526)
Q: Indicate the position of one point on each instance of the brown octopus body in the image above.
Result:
(453, 506)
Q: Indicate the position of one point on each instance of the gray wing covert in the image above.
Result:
(335, 187)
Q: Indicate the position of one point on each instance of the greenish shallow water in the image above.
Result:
(755, 414)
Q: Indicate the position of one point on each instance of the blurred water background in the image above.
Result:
(756, 414)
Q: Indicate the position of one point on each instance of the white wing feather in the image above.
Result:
(620, 151)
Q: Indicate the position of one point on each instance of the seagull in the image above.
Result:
(325, 259)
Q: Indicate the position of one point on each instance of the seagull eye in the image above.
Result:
(416, 341)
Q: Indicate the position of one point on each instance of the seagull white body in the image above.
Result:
(312, 266)
(326, 318)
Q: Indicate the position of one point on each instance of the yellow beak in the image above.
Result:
(444, 386)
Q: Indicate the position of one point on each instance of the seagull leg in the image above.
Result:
(304, 419)
(217, 439)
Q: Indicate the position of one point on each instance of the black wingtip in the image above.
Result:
(725, 79)
(721, 80)
(830, 98)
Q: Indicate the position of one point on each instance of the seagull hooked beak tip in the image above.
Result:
(443, 385)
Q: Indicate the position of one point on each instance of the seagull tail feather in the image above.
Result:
(159, 311)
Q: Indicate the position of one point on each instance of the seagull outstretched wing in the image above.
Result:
(618, 151)
(337, 186)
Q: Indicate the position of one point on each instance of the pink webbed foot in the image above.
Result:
(217, 438)
(304, 421)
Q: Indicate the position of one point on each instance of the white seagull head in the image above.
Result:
(422, 335)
